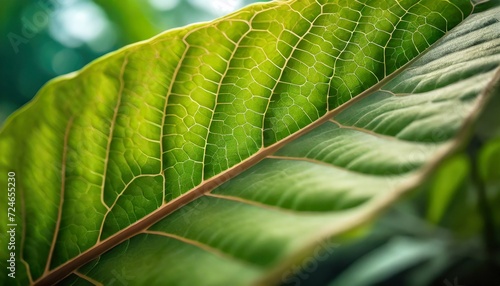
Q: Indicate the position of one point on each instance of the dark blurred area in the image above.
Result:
(42, 39)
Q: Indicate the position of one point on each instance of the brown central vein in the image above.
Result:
(208, 185)
(68, 267)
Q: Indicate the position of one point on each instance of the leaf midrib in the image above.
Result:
(457, 144)
(60, 272)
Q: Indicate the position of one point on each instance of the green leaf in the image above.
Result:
(225, 152)
(447, 182)
(488, 159)
(396, 255)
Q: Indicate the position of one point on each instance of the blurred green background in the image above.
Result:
(42, 39)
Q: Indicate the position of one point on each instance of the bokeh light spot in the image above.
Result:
(218, 7)
(164, 5)
(65, 61)
(78, 23)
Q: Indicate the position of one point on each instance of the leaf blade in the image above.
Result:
(135, 167)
